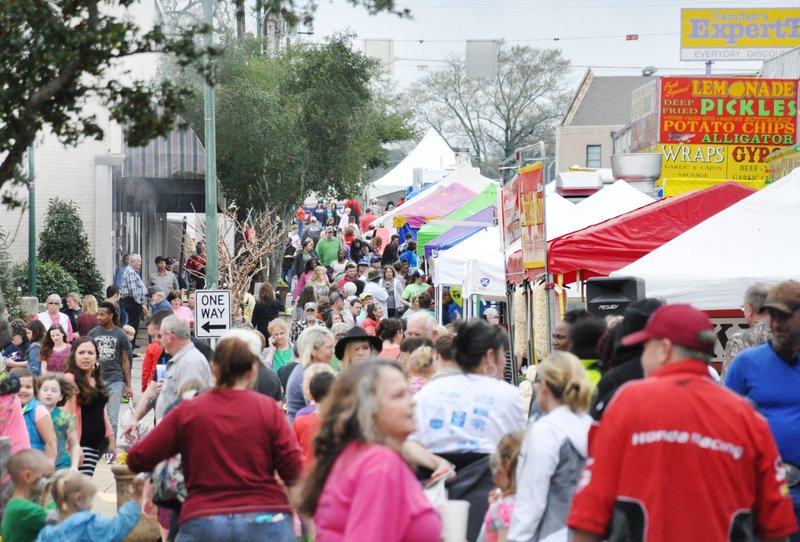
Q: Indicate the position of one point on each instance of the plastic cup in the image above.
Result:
(454, 516)
(161, 371)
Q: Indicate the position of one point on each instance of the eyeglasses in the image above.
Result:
(53, 303)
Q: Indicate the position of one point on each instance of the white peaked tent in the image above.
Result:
(486, 277)
(711, 265)
(612, 200)
(463, 174)
(431, 152)
(449, 267)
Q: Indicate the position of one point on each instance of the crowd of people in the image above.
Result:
(351, 412)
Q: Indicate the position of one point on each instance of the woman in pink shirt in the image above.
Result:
(361, 488)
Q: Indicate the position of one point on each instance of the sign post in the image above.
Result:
(212, 313)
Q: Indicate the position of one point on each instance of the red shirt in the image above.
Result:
(678, 457)
(152, 354)
(366, 220)
(306, 428)
(231, 443)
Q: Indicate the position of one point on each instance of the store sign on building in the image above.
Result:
(738, 34)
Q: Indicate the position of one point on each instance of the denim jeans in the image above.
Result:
(123, 314)
(238, 528)
(286, 275)
(114, 397)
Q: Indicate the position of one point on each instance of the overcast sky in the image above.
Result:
(591, 32)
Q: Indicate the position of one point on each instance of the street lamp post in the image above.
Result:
(212, 254)
(31, 223)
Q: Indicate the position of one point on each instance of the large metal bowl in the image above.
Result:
(641, 166)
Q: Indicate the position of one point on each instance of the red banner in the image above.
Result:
(512, 228)
(531, 197)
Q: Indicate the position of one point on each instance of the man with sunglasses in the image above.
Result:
(769, 377)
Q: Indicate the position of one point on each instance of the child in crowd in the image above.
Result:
(73, 494)
(14, 353)
(503, 463)
(131, 333)
(420, 367)
(24, 517)
(37, 417)
(35, 331)
(306, 424)
(54, 392)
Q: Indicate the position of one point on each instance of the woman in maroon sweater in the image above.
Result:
(231, 440)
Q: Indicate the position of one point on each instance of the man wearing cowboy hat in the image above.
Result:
(379, 294)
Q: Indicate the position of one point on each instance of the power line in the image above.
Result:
(555, 38)
(597, 5)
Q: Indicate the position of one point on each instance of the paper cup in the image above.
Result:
(161, 371)
(454, 516)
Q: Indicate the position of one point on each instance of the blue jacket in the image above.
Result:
(91, 527)
(29, 413)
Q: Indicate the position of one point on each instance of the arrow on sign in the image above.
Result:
(208, 326)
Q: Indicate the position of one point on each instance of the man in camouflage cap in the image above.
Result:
(769, 377)
(756, 317)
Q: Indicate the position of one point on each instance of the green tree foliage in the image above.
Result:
(312, 119)
(58, 55)
(64, 241)
(51, 278)
(494, 117)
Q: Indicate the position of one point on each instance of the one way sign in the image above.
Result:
(212, 313)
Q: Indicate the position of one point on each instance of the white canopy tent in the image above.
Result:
(464, 174)
(449, 266)
(486, 277)
(610, 201)
(711, 265)
(432, 152)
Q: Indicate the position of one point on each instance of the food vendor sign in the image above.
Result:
(512, 229)
(531, 198)
(724, 128)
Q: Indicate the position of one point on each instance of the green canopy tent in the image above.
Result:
(429, 232)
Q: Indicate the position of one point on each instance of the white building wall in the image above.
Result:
(77, 174)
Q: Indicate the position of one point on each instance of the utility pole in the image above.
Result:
(212, 247)
(31, 222)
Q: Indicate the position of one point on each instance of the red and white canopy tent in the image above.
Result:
(598, 250)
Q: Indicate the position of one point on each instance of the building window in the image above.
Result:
(593, 153)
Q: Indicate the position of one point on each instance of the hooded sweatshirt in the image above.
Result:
(549, 466)
(91, 527)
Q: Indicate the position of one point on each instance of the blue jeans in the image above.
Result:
(114, 396)
(286, 275)
(238, 527)
(300, 225)
(123, 315)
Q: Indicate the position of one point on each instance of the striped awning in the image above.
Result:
(180, 155)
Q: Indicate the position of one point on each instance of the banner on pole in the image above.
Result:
(512, 228)
(531, 198)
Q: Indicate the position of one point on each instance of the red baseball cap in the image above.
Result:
(681, 324)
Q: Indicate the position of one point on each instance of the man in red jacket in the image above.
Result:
(678, 457)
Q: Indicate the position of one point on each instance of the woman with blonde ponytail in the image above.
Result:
(554, 451)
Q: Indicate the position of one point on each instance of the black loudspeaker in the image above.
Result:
(612, 295)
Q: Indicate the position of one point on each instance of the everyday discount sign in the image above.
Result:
(738, 34)
(724, 128)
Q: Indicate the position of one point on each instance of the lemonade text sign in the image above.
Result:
(724, 128)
